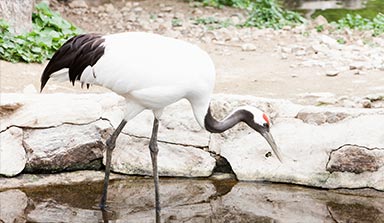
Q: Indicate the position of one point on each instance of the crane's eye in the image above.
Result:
(266, 125)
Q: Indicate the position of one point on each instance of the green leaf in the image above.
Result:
(49, 32)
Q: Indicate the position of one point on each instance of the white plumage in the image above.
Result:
(153, 71)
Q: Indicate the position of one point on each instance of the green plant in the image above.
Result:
(177, 22)
(212, 22)
(341, 40)
(232, 3)
(319, 28)
(268, 14)
(49, 32)
(358, 22)
(262, 13)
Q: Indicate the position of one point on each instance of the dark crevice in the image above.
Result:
(52, 126)
(222, 165)
(167, 142)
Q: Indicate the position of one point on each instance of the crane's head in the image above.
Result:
(260, 122)
(252, 116)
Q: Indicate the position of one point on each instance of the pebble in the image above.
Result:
(301, 53)
(359, 72)
(138, 9)
(332, 73)
(319, 48)
(166, 9)
(366, 103)
(375, 97)
(327, 100)
(286, 50)
(248, 47)
(77, 4)
(328, 40)
(108, 8)
(356, 66)
(320, 21)
(197, 11)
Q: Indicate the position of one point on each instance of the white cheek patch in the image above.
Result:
(258, 116)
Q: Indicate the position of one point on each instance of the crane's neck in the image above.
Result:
(215, 126)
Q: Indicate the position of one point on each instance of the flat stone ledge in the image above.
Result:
(67, 178)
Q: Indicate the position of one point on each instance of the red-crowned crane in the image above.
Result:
(150, 71)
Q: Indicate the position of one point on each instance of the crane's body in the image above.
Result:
(150, 71)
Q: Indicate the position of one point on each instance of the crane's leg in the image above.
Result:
(154, 151)
(111, 142)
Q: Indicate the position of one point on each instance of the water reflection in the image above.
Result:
(188, 201)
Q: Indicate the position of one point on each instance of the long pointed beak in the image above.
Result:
(272, 143)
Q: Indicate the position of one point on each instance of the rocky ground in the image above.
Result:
(298, 63)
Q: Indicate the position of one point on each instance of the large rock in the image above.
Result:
(308, 141)
(47, 110)
(132, 156)
(46, 180)
(12, 153)
(355, 159)
(65, 147)
(49, 211)
(177, 125)
(13, 204)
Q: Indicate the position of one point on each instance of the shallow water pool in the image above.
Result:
(186, 200)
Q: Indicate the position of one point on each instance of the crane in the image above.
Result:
(150, 71)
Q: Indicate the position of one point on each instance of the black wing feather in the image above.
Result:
(76, 54)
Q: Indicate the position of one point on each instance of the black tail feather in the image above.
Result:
(76, 54)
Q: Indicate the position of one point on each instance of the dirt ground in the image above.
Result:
(261, 70)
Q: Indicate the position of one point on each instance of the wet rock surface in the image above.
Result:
(64, 179)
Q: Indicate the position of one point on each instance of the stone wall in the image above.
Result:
(326, 147)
